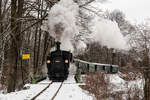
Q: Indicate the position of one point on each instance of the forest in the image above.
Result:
(22, 31)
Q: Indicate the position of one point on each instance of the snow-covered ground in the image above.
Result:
(130, 87)
(70, 90)
(121, 85)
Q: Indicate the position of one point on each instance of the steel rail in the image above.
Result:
(41, 91)
(57, 92)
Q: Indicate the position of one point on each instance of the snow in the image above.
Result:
(117, 84)
(70, 90)
(95, 63)
(116, 79)
(24, 94)
(50, 92)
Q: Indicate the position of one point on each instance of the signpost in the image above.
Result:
(25, 56)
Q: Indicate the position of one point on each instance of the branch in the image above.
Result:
(92, 11)
(39, 21)
(86, 3)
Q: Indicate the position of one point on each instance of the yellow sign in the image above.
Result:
(25, 56)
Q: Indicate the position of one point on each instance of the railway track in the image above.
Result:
(49, 86)
(41, 91)
(57, 92)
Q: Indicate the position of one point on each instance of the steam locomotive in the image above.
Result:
(58, 63)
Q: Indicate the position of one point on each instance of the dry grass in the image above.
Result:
(129, 73)
(98, 84)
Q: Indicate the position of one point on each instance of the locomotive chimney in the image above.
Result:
(58, 45)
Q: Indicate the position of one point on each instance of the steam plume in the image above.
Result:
(61, 23)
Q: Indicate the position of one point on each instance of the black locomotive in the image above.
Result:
(58, 63)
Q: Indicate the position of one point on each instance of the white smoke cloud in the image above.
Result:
(108, 33)
(61, 23)
(62, 26)
(81, 45)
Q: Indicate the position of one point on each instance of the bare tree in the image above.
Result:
(140, 41)
(22, 26)
(14, 50)
(125, 26)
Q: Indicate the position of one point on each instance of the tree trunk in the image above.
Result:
(146, 75)
(16, 42)
(146, 87)
(12, 51)
(38, 52)
(20, 37)
(39, 41)
(45, 47)
(35, 51)
(35, 42)
(1, 31)
(0, 16)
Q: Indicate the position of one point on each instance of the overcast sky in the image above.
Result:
(135, 10)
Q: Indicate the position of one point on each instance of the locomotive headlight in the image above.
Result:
(66, 61)
(48, 61)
